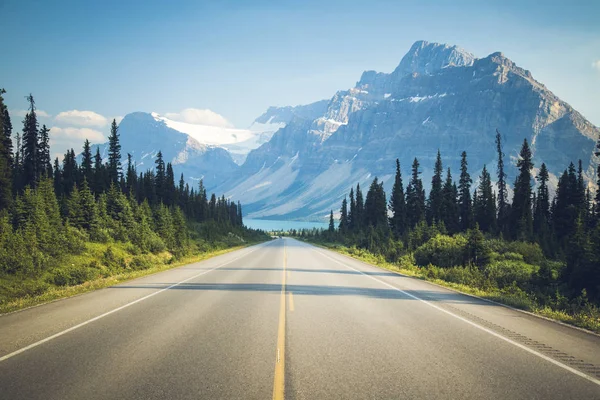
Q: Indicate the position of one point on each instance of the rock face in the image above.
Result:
(439, 97)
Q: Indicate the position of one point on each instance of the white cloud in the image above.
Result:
(200, 117)
(596, 65)
(22, 113)
(81, 118)
(63, 139)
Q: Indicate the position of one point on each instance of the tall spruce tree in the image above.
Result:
(450, 214)
(343, 225)
(398, 205)
(435, 204)
(521, 213)
(114, 155)
(485, 211)
(160, 177)
(503, 207)
(415, 197)
(87, 163)
(359, 217)
(5, 157)
(331, 223)
(376, 206)
(30, 145)
(541, 216)
(45, 166)
(352, 212)
(99, 184)
(464, 194)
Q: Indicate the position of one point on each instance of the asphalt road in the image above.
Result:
(286, 319)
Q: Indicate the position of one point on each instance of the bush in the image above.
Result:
(503, 273)
(140, 262)
(442, 251)
(73, 275)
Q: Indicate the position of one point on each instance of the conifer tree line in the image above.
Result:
(48, 207)
(566, 227)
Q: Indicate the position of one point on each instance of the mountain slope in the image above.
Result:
(439, 97)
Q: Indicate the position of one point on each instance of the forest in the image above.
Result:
(534, 251)
(87, 217)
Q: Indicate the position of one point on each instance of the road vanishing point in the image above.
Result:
(285, 319)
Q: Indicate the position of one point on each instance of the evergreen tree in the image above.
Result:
(5, 157)
(415, 197)
(435, 203)
(503, 208)
(88, 207)
(464, 195)
(352, 212)
(485, 209)
(87, 171)
(343, 226)
(358, 218)
(331, 223)
(522, 217)
(114, 154)
(30, 145)
(376, 206)
(170, 192)
(541, 217)
(44, 167)
(397, 205)
(598, 185)
(160, 177)
(450, 214)
(99, 185)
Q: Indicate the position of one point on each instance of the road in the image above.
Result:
(287, 319)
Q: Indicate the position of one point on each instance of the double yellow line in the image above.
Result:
(279, 381)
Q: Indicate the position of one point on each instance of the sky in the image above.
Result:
(226, 62)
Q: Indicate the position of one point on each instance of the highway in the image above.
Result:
(285, 319)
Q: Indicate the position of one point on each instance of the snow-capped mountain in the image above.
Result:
(439, 97)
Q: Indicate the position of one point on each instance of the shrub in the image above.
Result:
(442, 251)
(505, 272)
(73, 275)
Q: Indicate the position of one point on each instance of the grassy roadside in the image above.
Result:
(105, 277)
(510, 296)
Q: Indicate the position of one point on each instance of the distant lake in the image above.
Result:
(275, 225)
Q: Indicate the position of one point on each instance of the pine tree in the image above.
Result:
(30, 145)
(352, 212)
(541, 217)
(450, 214)
(331, 223)
(415, 197)
(485, 210)
(343, 226)
(464, 194)
(160, 177)
(503, 208)
(376, 206)
(87, 171)
(100, 174)
(5, 157)
(397, 205)
(521, 213)
(434, 209)
(170, 192)
(114, 155)
(359, 210)
(44, 167)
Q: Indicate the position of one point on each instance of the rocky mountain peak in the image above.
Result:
(425, 58)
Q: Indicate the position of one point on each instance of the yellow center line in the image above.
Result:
(279, 380)
(291, 302)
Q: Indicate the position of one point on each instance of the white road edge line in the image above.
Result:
(540, 355)
(49, 338)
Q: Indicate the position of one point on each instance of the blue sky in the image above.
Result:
(109, 58)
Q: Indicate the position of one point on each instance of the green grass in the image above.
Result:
(588, 319)
(100, 265)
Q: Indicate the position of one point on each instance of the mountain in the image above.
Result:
(439, 97)
(193, 150)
